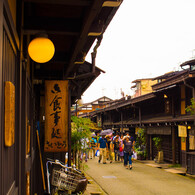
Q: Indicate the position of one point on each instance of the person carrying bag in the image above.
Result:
(127, 148)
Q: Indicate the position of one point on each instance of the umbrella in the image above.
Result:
(106, 132)
(93, 134)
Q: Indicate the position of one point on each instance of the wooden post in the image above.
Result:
(121, 122)
(150, 147)
(69, 127)
(173, 106)
(173, 145)
(41, 161)
(1, 99)
(76, 108)
(140, 115)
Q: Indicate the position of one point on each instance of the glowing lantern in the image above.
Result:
(41, 49)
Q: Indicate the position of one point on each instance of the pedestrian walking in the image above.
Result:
(93, 146)
(84, 149)
(110, 150)
(131, 138)
(127, 148)
(97, 137)
(121, 152)
(116, 136)
(116, 149)
(102, 146)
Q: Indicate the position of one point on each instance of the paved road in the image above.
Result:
(141, 180)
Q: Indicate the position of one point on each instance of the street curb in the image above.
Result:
(174, 172)
(92, 187)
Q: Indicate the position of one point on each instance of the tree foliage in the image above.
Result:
(80, 129)
(191, 108)
(157, 142)
(140, 144)
(141, 138)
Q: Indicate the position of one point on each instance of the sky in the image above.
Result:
(145, 39)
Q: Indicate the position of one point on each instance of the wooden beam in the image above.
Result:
(53, 32)
(94, 10)
(39, 23)
(62, 2)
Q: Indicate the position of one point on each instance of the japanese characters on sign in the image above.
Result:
(182, 131)
(56, 113)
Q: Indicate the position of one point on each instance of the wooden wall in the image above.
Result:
(8, 161)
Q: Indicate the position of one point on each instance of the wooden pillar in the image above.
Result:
(150, 147)
(173, 107)
(121, 122)
(140, 116)
(1, 129)
(102, 119)
(76, 108)
(110, 117)
(183, 100)
(69, 127)
(173, 145)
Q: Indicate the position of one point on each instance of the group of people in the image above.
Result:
(112, 148)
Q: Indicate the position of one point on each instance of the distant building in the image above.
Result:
(160, 113)
(143, 86)
(100, 103)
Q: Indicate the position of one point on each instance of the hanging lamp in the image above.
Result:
(41, 49)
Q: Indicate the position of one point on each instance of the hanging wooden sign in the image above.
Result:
(9, 113)
(182, 131)
(56, 116)
(191, 142)
(28, 183)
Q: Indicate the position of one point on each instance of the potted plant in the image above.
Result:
(140, 154)
(140, 145)
(157, 143)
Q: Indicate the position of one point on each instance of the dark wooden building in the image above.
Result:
(160, 113)
(73, 26)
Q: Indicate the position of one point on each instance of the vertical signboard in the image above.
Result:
(56, 116)
(182, 131)
(9, 113)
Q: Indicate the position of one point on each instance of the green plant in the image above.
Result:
(157, 142)
(191, 108)
(80, 130)
(174, 165)
(140, 144)
(141, 138)
(140, 153)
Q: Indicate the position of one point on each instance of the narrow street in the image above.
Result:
(114, 179)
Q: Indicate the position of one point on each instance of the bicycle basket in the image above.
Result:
(66, 178)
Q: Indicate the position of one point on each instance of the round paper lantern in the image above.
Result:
(41, 49)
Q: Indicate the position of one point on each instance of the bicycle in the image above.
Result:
(64, 180)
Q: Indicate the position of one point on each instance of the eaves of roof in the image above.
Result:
(138, 80)
(173, 80)
(126, 103)
(167, 119)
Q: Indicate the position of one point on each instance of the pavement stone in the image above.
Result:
(94, 189)
(167, 167)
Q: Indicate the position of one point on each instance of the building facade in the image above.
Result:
(73, 26)
(161, 113)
